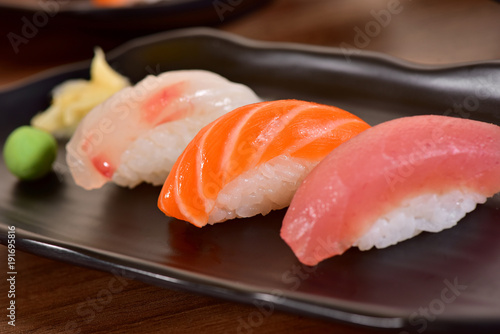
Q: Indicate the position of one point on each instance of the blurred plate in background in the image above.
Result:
(164, 14)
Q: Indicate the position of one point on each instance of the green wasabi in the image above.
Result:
(29, 152)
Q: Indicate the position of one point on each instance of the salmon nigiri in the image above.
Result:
(393, 181)
(252, 159)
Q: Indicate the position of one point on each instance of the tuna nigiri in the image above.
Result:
(252, 160)
(138, 133)
(393, 181)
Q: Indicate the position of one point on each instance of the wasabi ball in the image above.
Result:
(29, 152)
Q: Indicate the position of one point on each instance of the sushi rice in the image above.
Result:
(260, 190)
(428, 212)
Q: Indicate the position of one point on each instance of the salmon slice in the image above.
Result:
(393, 181)
(251, 142)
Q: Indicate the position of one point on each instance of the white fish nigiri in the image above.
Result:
(138, 133)
(391, 182)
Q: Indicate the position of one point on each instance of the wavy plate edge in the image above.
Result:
(66, 252)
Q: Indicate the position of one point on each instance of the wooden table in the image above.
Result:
(52, 296)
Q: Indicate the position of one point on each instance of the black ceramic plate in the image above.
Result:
(444, 281)
(164, 14)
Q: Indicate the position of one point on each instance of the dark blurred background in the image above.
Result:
(39, 34)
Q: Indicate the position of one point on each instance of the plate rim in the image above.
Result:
(202, 31)
(32, 243)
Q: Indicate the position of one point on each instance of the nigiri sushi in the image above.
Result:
(391, 182)
(251, 160)
(136, 135)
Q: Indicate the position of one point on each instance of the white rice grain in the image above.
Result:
(150, 157)
(428, 212)
(270, 186)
